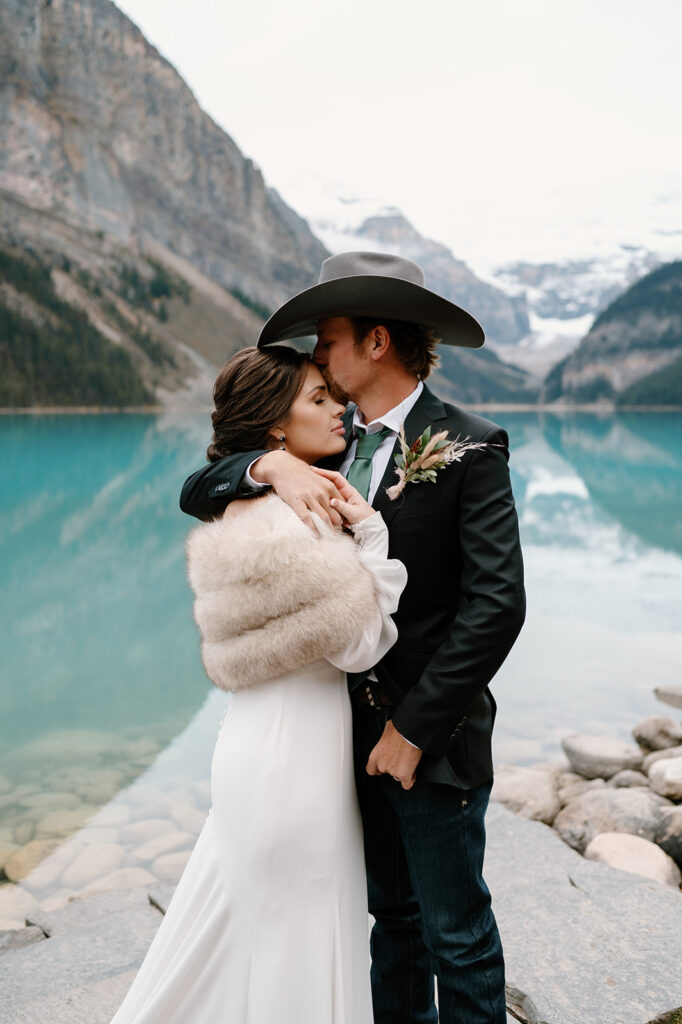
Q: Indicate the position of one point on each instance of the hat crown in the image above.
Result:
(371, 264)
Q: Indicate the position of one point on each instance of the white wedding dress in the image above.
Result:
(268, 923)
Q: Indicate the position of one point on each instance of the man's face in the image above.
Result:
(344, 365)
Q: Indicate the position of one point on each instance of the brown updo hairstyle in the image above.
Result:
(253, 392)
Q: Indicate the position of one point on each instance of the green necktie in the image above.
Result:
(359, 475)
(360, 470)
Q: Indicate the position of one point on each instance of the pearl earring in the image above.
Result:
(281, 442)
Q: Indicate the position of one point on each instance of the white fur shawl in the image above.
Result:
(271, 595)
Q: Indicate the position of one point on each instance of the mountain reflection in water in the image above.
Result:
(101, 663)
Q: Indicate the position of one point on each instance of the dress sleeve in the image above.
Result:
(390, 576)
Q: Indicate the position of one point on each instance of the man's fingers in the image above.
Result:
(410, 782)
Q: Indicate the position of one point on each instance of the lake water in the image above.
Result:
(104, 700)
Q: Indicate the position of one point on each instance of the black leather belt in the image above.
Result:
(370, 695)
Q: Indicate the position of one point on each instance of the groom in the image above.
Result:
(423, 717)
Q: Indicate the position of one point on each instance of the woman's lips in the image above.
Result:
(338, 430)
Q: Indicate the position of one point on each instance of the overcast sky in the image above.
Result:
(502, 121)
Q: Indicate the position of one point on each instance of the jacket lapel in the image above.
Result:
(427, 410)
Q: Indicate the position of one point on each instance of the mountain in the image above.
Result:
(144, 213)
(480, 377)
(632, 355)
(577, 287)
(139, 248)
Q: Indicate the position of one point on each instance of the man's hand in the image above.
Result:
(297, 484)
(393, 755)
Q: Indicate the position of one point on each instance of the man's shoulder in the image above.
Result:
(463, 423)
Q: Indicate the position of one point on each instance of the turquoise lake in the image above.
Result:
(100, 655)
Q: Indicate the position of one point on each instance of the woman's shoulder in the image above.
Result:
(263, 537)
(244, 515)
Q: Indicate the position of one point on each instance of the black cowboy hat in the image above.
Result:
(372, 284)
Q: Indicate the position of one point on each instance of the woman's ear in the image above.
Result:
(276, 438)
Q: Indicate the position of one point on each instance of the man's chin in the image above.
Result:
(336, 393)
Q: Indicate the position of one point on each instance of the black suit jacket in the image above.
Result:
(464, 603)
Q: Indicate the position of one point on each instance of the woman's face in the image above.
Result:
(314, 428)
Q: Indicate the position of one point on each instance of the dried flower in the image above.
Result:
(422, 460)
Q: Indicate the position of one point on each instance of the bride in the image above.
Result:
(269, 919)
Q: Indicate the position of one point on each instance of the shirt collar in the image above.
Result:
(393, 419)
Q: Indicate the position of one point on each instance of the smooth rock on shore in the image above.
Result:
(583, 942)
(81, 973)
(626, 779)
(26, 858)
(94, 862)
(572, 931)
(531, 792)
(671, 695)
(636, 811)
(600, 756)
(636, 855)
(7, 850)
(665, 777)
(169, 866)
(658, 732)
(669, 835)
(660, 755)
(15, 903)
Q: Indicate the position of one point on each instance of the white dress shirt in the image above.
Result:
(394, 420)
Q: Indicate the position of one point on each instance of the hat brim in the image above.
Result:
(372, 296)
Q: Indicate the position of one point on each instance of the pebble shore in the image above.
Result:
(614, 802)
(100, 819)
(79, 906)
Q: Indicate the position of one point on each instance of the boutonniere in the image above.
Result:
(426, 456)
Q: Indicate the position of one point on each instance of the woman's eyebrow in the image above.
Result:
(318, 387)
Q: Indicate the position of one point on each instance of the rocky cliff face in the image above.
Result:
(633, 353)
(99, 130)
(153, 223)
(150, 223)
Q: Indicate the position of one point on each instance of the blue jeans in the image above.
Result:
(424, 856)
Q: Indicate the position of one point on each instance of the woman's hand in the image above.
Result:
(352, 505)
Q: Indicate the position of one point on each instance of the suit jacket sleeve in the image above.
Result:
(492, 606)
(206, 492)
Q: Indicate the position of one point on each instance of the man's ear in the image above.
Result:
(380, 342)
